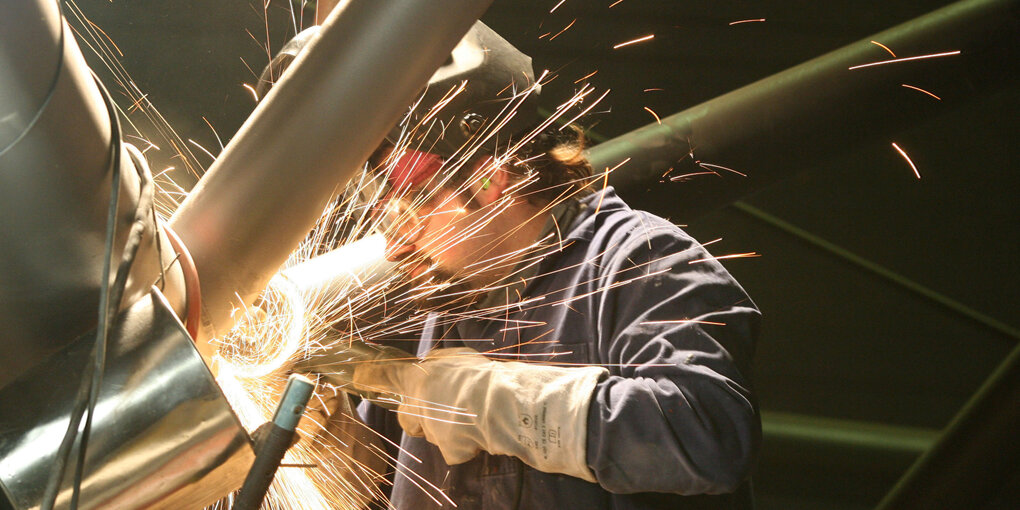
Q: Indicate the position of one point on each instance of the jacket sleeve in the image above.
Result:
(677, 413)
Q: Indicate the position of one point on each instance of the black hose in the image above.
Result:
(109, 300)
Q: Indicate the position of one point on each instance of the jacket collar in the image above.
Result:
(593, 207)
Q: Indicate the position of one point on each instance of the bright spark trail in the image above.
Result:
(919, 89)
(905, 59)
(635, 41)
(911, 163)
(884, 47)
(757, 20)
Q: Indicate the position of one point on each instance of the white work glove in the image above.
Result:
(463, 402)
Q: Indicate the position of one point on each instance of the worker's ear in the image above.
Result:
(490, 188)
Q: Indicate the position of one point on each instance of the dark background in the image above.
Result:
(856, 373)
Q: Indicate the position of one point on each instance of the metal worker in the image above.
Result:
(600, 358)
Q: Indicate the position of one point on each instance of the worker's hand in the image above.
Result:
(464, 402)
(353, 453)
(349, 456)
(346, 454)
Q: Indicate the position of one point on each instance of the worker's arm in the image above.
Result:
(677, 414)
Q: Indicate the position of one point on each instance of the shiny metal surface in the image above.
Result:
(307, 138)
(163, 435)
(55, 139)
(336, 274)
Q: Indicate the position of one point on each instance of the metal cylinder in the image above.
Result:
(163, 436)
(778, 126)
(338, 273)
(308, 136)
(55, 151)
(307, 297)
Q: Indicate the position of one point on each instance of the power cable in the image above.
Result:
(109, 300)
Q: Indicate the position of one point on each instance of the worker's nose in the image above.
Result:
(402, 226)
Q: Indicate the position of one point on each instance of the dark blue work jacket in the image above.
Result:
(675, 426)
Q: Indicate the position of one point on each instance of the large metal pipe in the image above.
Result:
(336, 274)
(55, 151)
(307, 138)
(807, 114)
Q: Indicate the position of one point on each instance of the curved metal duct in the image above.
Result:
(163, 435)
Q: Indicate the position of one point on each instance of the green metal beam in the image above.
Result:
(879, 270)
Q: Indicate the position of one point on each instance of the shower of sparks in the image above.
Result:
(911, 163)
(557, 6)
(564, 29)
(634, 41)
(884, 47)
(906, 59)
(92, 37)
(290, 323)
(657, 119)
(722, 257)
(919, 89)
(758, 20)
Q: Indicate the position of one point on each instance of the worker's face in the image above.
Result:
(440, 230)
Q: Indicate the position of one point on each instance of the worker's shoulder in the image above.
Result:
(611, 227)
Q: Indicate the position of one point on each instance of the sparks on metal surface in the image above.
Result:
(884, 47)
(686, 176)
(906, 59)
(657, 119)
(685, 321)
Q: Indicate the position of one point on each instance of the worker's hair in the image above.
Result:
(555, 160)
